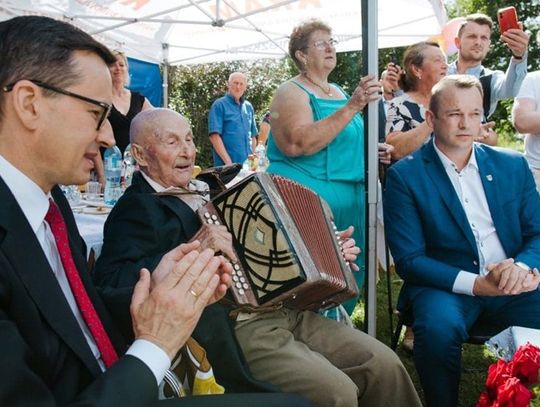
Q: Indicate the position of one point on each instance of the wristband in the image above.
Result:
(516, 57)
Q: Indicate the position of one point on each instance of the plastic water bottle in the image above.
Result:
(128, 167)
(260, 152)
(113, 174)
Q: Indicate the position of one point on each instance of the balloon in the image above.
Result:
(449, 33)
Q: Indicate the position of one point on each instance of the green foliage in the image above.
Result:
(192, 90)
(499, 54)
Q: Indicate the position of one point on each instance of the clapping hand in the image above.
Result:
(166, 307)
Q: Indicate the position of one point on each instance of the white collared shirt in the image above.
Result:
(470, 191)
(34, 203)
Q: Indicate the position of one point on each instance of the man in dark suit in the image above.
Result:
(300, 351)
(59, 346)
(463, 224)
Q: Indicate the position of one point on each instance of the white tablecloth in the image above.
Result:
(91, 230)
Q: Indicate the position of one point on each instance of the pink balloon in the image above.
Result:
(449, 33)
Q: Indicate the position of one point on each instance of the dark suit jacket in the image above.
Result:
(45, 359)
(141, 228)
(427, 229)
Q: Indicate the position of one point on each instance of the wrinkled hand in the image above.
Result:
(167, 313)
(532, 281)
(348, 245)
(385, 153)
(368, 90)
(217, 238)
(517, 40)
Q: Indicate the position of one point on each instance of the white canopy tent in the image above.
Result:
(202, 31)
(174, 32)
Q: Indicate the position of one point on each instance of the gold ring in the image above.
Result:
(193, 293)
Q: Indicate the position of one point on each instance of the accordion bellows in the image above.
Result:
(286, 243)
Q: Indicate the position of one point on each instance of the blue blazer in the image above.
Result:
(427, 229)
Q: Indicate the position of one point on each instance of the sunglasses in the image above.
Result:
(106, 108)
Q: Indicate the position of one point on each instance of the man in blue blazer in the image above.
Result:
(463, 223)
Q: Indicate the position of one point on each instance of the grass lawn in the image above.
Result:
(475, 359)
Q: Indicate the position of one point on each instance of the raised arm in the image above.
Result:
(293, 127)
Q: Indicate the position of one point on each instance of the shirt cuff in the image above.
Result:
(152, 356)
(464, 283)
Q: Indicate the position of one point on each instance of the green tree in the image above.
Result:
(193, 88)
(499, 55)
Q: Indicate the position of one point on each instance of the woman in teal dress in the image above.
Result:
(317, 136)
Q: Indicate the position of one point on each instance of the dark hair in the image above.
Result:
(300, 37)
(41, 48)
(456, 81)
(414, 55)
(477, 18)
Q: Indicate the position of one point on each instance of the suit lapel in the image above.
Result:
(176, 205)
(438, 175)
(25, 254)
(492, 189)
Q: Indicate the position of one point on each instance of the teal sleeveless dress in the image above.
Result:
(336, 173)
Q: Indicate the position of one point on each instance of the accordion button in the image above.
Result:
(236, 266)
(206, 215)
(210, 221)
(245, 285)
(241, 291)
(234, 278)
(238, 285)
(214, 217)
(239, 272)
(242, 280)
(216, 222)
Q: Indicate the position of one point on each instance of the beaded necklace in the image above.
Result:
(325, 91)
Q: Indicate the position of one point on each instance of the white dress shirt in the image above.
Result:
(470, 191)
(34, 203)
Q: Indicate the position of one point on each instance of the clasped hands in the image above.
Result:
(506, 278)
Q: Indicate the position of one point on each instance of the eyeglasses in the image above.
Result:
(106, 108)
(322, 44)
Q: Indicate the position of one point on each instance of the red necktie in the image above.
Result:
(58, 227)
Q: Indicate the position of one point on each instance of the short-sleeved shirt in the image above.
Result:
(530, 89)
(235, 123)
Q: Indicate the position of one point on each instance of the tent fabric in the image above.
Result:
(202, 31)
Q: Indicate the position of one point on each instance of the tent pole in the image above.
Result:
(165, 48)
(370, 66)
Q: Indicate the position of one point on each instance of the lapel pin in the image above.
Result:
(489, 177)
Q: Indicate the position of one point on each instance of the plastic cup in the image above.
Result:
(93, 189)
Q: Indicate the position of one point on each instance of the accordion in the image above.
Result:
(287, 244)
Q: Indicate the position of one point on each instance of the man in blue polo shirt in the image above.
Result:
(231, 123)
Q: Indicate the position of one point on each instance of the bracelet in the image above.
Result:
(516, 57)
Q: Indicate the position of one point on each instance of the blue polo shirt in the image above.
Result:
(235, 123)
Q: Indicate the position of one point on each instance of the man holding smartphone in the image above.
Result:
(473, 42)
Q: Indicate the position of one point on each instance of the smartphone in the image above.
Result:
(507, 18)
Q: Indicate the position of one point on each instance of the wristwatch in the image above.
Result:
(522, 265)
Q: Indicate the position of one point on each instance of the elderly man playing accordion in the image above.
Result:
(298, 351)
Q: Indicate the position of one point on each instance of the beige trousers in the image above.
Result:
(330, 364)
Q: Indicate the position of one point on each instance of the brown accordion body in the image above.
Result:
(286, 241)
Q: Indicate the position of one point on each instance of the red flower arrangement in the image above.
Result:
(514, 383)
